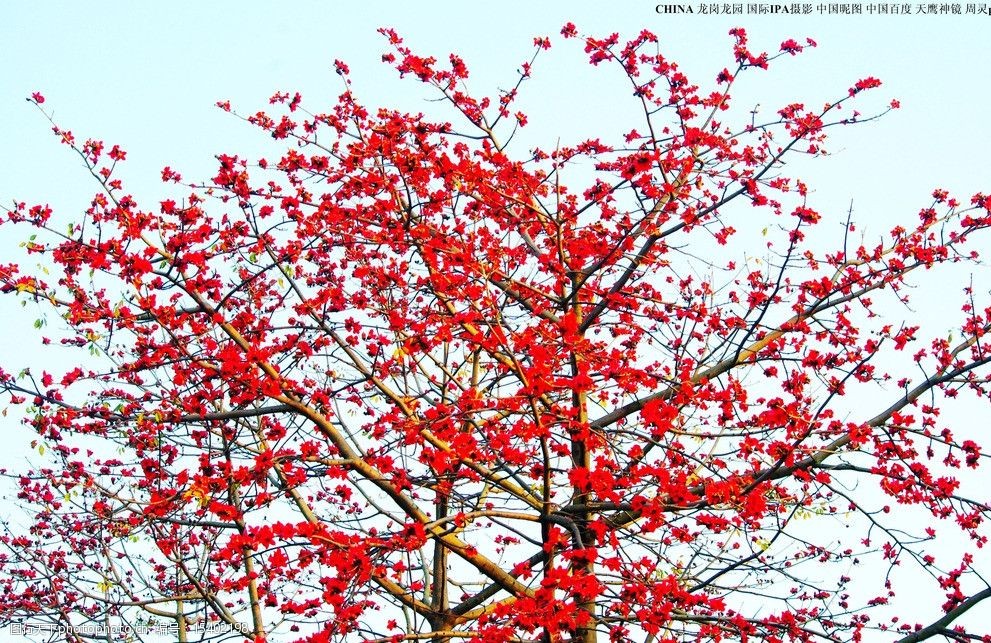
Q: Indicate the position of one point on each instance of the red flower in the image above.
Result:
(865, 83)
(543, 43)
(791, 46)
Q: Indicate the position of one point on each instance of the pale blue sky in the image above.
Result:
(146, 76)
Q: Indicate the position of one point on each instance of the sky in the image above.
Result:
(147, 75)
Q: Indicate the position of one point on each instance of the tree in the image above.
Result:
(407, 382)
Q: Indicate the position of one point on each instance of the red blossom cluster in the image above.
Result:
(406, 382)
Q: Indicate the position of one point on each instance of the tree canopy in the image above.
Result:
(406, 381)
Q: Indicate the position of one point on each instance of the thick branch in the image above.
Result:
(938, 626)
